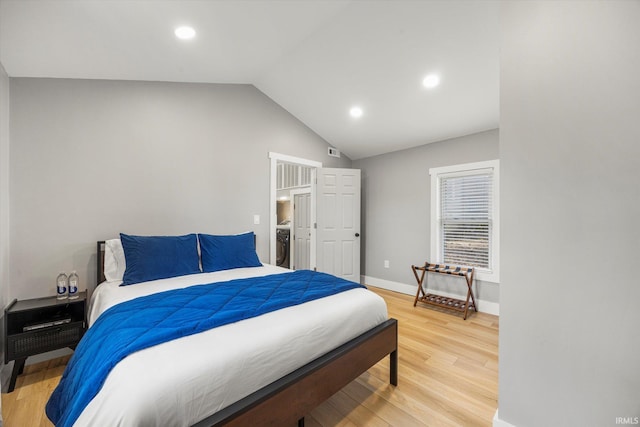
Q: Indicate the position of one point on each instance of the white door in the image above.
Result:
(338, 222)
(301, 228)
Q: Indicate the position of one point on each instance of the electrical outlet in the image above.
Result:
(386, 263)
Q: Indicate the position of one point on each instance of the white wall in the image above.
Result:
(4, 204)
(4, 188)
(396, 201)
(90, 159)
(569, 152)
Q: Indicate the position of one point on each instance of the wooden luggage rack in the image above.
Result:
(441, 301)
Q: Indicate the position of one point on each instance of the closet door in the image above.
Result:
(301, 249)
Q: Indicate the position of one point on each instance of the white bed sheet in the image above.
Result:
(181, 382)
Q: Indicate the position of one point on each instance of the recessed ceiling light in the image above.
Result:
(185, 33)
(431, 81)
(356, 112)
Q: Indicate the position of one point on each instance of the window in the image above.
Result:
(465, 227)
(292, 176)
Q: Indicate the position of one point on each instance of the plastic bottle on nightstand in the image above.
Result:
(61, 285)
(73, 285)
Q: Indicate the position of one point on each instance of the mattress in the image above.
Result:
(180, 382)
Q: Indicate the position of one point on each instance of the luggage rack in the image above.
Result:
(439, 300)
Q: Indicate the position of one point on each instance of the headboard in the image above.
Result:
(100, 259)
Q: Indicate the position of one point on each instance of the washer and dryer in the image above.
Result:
(283, 247)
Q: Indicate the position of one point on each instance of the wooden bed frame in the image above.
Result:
(287, 400)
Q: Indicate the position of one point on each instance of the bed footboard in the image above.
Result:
(287, 400)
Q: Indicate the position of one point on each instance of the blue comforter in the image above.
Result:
(147, 321)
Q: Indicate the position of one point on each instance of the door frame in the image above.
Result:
(273, 216)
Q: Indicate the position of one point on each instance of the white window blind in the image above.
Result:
(465, 218)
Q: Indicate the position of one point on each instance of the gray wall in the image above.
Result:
(569, 151)
(90, 159)
(396, 205)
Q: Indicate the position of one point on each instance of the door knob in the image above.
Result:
(357, 234)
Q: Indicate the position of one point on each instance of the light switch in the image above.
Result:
(256, 219)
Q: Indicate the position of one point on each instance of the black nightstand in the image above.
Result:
(39, 325)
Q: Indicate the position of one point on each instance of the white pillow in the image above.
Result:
(114, 262)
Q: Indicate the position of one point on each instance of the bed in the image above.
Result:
(251, 372)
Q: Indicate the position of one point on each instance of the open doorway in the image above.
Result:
(328, 233)
(292, 205)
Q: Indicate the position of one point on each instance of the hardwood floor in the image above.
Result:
(24, 407)
(448, 376)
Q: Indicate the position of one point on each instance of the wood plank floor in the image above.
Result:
(448, 376)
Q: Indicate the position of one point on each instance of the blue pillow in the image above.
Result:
(158, 257)
(226, 252)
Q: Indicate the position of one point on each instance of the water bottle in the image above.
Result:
(61, 284)
(73, 285)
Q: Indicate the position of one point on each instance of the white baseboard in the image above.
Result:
(497, 422)
(483, 306)
(403, 288)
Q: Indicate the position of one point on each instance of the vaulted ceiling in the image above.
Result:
(315, 58)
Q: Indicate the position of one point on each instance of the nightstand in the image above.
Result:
(39, 325)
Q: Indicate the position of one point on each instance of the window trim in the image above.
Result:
(487, 275)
